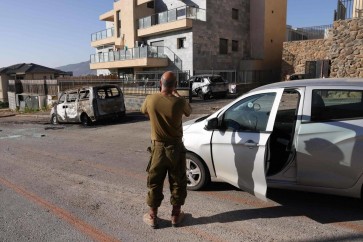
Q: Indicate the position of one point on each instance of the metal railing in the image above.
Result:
(348, 9)
(173, 15)
(306, 33)
(103, 34)
(129, 54)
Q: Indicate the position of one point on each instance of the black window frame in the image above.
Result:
(235, 45)
(235, 13)
(223, 46)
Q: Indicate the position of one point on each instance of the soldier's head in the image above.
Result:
(168, 81)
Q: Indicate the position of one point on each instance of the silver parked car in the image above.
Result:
(88, 104)
(303, 135)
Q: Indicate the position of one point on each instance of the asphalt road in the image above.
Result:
(69, 183)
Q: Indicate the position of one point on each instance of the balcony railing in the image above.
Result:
(173, 15)
(103, 34)
(306, 33)
(129, 54)
(347, 9)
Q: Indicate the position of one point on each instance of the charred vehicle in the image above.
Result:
(208, 85)
(89, 104)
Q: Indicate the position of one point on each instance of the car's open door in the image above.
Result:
(239, 145)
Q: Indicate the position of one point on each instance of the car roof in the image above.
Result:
(314, 82)
(200, 75)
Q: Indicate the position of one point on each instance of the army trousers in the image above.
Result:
(166, 158)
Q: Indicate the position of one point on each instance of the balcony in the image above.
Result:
(168, 21)
(109, 16)
(139, 2)
(148, 56)
(103, 37)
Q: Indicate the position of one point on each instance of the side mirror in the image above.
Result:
(212, 124)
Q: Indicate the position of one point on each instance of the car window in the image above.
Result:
(72, 96)
(249, 114)
(197, 79)
(62, 98)
(205, 80)
(336, 105)
(84, 94)
(216, 79)
(107, 92)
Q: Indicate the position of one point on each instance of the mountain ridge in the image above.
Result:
(78, 69)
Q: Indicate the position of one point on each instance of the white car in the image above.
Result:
(208, 85)
(302, 135)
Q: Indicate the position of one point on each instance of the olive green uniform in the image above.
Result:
(167, 149)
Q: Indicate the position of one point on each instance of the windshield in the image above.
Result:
(215, 79)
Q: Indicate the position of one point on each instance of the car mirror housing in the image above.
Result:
(211, 124)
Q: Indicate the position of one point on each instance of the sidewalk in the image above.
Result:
(8, 113)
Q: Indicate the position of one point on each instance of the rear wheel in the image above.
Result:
(85, 120)
(197, 174)
(53, 119)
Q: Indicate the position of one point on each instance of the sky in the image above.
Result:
(54, 33)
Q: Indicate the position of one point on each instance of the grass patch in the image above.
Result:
(4, 105)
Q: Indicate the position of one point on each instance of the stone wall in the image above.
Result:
(344, 48)
(296, 53)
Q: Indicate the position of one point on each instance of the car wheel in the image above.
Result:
(201, 95)
(197, 174)
(85, 120)
(53, 119)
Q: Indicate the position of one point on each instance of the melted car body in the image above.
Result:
(89, 104)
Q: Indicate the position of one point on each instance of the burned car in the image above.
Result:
(89, 104)
(208, 85)
(303, 135)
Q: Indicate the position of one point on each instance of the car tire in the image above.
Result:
(201, 95)
(53, 119)
(85, 120)
(197, 173)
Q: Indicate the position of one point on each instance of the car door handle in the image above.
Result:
(250, 144)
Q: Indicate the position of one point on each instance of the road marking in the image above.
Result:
(10, 137)
(82, 226)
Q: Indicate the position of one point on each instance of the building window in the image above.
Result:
(223, 46)
(118, 23)
(181, 43)
(234, 13)
(234, 45)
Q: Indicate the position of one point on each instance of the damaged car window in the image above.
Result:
(110, 92)
(72, 97)
(84, 94)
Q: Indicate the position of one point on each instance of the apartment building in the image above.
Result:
(190, 35)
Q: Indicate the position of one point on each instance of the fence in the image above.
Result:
(42, 87)
(144, 83)
(129, 54)
(173, 15)
(305, 33)
(347, 9)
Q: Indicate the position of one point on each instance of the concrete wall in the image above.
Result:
(170, 41)
(344, 48)
(4, 88)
